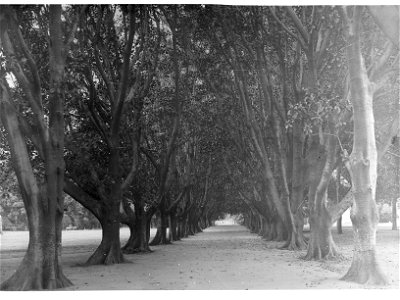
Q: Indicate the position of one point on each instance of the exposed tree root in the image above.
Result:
(326, 252)
(294, 243)
(159, 240)
(364, 269)
(137, 250)
(28, 278)
(106, 255)
(130, 245)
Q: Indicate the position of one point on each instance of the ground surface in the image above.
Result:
(221, 257)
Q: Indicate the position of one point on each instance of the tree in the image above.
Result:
(363, 160)
(42, 193)
(116, 79)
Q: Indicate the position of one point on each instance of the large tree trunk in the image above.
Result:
(339, 226)
(109, 251)
(282, 233)
(297, 195)
(133, 241)
(44, 203)
(363, 163)
(174, 228)
(40, 267)
(143, 229)
(128, 217)
(321, 243)
(396, 143)
(161, 234)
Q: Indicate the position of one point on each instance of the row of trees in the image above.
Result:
(185, 112)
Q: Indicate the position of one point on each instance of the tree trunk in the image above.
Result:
(157, 238)
(109, 251)
(297, 195)
(281, 233)
(363, 163)
(396, 143)
(272, 233)
(164, 227)
(339, 226)
(185, 227)
(394, 214)
(321, 243)
(133, 241)
(44, 204)
(198, 225)
(174, 228)
(141, 232)
(180, 228)
(161, 235)
(40, 268)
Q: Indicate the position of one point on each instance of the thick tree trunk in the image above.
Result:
(109, 251)
(161, 235)
(261, 232)
(281, 232)
(133, 241)
(363, 163)
(40, 268)
(139, 241)
(394, 214)
(339, 226)
(272, 231)
(185, 227)
(157, 238)
(396, 143)
(164, 226)
(198, 225)
(321, 244)
(297, 194)
(174, 228)
(128, 217)
(180, 230)
(44, 204)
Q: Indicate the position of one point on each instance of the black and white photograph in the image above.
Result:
(211, 146)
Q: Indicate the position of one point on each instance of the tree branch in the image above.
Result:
(302, 42)
(300, 27)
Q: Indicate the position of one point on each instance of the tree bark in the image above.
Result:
(321, 244)
(109, 251)
(363, 162)
(40, 268)
(133, 241)
(396, 184)
(297, 194)
(339, 226)
(161, 235)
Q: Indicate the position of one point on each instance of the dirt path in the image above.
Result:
(221, 257)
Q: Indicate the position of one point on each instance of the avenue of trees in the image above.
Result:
(181, 113)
